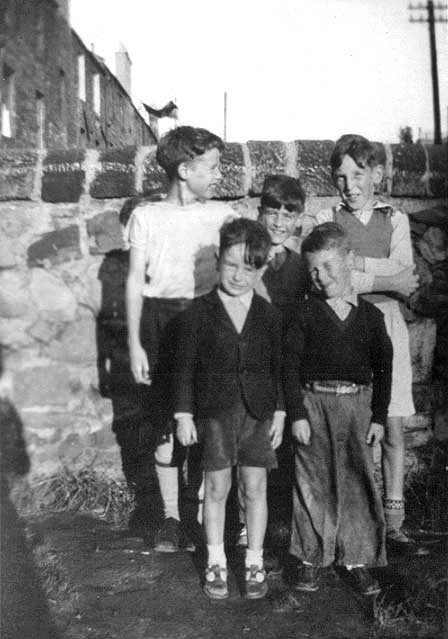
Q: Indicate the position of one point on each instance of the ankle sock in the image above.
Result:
(253, 558)
(393, 514)
(216, 555)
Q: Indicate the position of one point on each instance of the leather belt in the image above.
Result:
(336, 388)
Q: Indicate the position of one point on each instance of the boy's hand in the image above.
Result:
(375, 434)
(139, 365)
(301, 431)
(404, 282)
(276, 430)
(186, 431)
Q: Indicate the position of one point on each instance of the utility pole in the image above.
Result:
(431, 19)
(225, 117)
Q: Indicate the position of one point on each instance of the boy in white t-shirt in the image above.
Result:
(172, 260)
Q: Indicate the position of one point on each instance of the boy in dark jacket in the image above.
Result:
(227, 389)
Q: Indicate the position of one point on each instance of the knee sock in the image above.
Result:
(394, 514)
(254, 558)
(168, 477)
(169, 489)
(216, 555)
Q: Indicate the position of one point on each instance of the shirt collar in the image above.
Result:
(276, 250)
(245, 299)
(377, 204)
(349, 298)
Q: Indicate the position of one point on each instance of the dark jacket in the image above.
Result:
(215, 366)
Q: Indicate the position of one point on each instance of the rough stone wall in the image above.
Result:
(63, 267)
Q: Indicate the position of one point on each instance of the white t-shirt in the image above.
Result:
(180, 244)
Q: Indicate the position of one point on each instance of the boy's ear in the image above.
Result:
(260, 212)
(182, 170)
(378, 173)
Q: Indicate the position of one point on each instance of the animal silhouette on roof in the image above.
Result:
(168, 111)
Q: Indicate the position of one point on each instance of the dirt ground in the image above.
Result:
(103, 584)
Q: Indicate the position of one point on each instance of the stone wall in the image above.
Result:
(63, 266)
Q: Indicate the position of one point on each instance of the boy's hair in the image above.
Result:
(248, 232)
(360, 149)
(183, 144)
(326, 236)
(282, 190)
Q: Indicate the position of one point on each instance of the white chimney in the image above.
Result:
(123, 67)
(64, 9)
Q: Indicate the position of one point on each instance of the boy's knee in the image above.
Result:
(254, 487)
(255, 495)
(164, 453)
(217, 486)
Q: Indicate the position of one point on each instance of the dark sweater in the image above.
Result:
(287, 284)
(320, 346)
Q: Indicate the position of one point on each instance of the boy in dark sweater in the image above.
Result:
(282, 206)
(284, 282)
(228, 395)
(338, 363)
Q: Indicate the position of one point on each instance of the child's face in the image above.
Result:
(279, 223)
(330, 271)
(235, 276)
(356, 185)
(202, 174)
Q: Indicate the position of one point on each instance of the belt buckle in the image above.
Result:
(343, 389)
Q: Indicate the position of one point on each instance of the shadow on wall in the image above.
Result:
(131, 422)
(24, 608)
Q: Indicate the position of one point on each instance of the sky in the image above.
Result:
(292, 69)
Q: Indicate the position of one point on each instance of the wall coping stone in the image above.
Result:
(414, 170)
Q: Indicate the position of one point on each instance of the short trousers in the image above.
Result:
(158, 332)
(236, 439)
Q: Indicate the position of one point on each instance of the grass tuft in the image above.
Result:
(419, 612)
(82, 490)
